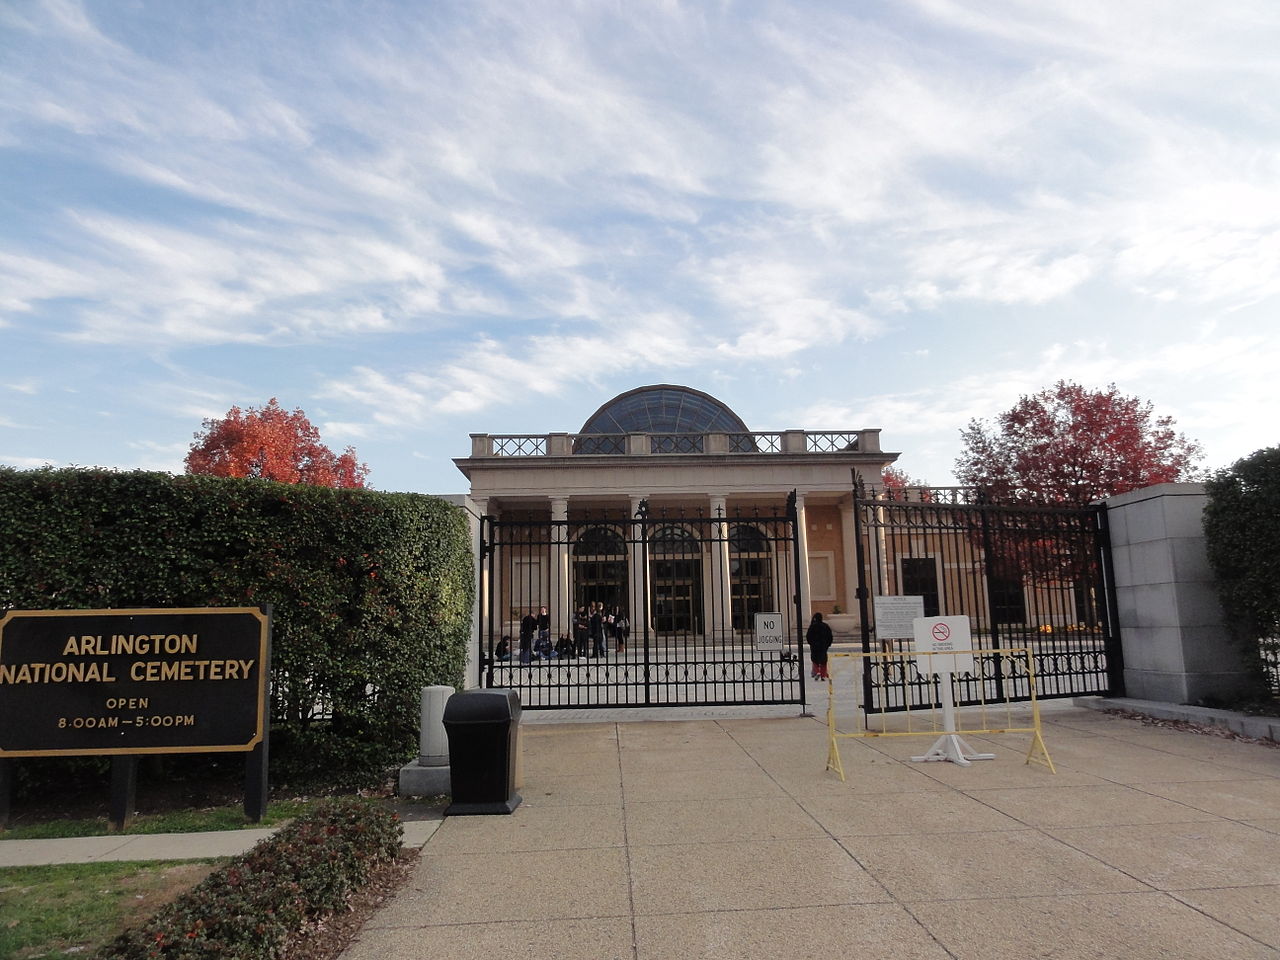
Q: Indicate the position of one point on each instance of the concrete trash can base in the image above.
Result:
(483, 728)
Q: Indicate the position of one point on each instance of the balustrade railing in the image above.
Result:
(611, 444)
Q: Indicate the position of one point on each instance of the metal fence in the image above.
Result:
(653, 610)
(1026, 576)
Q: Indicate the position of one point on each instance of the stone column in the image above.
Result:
(844, 624)
(720, 590)
(802, 549)
(560, 605)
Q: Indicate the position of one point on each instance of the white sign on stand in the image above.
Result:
(950, 642)
(948, 639)
(770, 633)
(895, 616)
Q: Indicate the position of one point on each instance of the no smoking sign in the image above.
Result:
(944, 635)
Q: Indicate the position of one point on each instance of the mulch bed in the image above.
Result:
(1207, 729)
(327, 939)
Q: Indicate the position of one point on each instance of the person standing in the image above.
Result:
(819, 639)
(581, 624)
(621, 627)
(597, 630)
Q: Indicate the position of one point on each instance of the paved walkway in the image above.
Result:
(158, 846)
(723, 838)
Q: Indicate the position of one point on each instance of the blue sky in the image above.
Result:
(418, 221)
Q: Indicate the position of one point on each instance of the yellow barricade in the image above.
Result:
(994, 716)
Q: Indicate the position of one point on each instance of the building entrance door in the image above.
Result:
(677, 596)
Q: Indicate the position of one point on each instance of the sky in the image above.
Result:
(417, 221)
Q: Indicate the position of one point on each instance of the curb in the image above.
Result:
(1247, 725)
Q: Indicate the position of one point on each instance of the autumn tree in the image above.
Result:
(1070, 445)
(897, 484)
(272, 443)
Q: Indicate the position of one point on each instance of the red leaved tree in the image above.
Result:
(1065, 446)
(1069, 445)
(272, 443)
(897, 484)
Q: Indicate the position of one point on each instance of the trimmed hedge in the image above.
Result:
(371, 592)
(1242, 530)
(247, 909)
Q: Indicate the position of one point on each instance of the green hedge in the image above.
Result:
(247, 909)
(371, 592)
(1242, 530)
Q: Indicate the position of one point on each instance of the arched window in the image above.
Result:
(674, 539)
(747, 538)
(599, 541)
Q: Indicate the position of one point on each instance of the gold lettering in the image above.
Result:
(72, 647)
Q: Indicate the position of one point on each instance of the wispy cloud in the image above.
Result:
(425, 216)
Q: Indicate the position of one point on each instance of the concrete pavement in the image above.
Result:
(724, 838)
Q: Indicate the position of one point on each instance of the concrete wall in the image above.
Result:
(1176, 645)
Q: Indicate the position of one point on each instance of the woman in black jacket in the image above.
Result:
(820, 640)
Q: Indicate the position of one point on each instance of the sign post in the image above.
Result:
(770, 634)
(948, 648)
(123, 683)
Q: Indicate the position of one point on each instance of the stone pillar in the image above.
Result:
(429, 776)
(720, 588)
(844, 624)
(802, 549)
(560, 606)
(1176, 645)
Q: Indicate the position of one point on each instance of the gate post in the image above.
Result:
(1111, 638)
(988, 552)
(794, 517)
(864, 612)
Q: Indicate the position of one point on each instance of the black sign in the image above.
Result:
(132, 681)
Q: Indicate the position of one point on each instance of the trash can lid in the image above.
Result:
(482, 706)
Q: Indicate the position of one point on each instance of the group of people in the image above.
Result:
(594, 627)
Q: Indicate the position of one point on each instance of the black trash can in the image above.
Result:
(482, 727)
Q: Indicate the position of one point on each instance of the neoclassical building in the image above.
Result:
(665, 505)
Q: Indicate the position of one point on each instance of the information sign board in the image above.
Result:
(895, 616)
(132, 681)
(770, 632)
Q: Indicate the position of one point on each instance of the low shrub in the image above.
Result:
(247, 909)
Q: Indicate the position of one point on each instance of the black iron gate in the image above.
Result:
(658, 609)
(1027, 576)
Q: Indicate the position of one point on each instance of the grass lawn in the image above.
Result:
(76, 907)
(230, 817)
